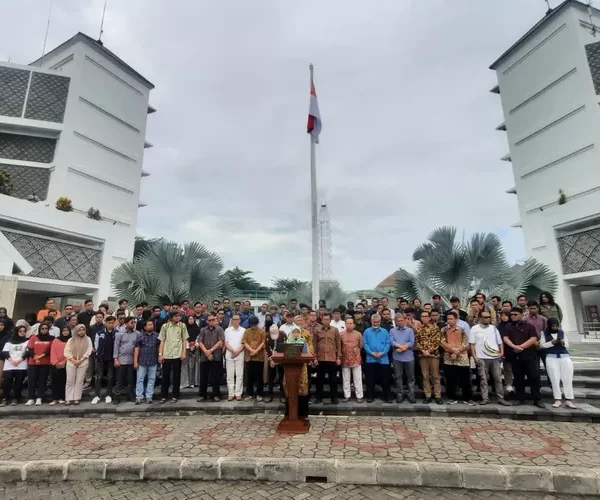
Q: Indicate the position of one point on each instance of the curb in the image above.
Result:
(564, 480)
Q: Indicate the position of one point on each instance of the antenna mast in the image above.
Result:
(102, 23)
(46, 36)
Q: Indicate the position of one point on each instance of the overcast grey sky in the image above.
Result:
(408, 141)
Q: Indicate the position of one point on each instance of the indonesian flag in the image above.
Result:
(314, 118)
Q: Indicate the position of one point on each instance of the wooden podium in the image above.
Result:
(293, 360)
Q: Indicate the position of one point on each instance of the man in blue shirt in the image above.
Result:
(402, 340)
(377, 346)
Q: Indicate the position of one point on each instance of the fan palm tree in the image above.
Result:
(167, 272)
(450, 268)
(329, 291)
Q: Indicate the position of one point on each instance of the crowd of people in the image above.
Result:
(120, 354)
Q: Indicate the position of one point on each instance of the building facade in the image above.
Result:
(71, 124)
(549, 85)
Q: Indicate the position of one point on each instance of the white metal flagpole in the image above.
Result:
(316, 282)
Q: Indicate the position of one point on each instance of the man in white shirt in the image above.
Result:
(234, 359)
(53, 330)
(337, 321)
(262, 315)
(487, 349)
(287, 327)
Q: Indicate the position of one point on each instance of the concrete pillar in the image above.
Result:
(8, 292)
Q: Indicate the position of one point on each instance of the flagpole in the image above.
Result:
(316, 282)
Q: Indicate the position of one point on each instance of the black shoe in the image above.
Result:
(439, 401)
(539, 404)
(519, 403)
(411, 400)
(399, 399)
(116, 401)
(426, 401)
(370, 400)
(334, 401)
(388, 400)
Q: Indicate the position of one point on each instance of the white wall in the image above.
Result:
(553, 51)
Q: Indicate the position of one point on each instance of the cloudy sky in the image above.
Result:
(408, 142)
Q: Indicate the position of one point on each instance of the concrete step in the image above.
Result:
(189, 406)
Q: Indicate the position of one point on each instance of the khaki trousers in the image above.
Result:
(430, 367)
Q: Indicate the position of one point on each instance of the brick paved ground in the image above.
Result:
(416, 438)
(182, 490)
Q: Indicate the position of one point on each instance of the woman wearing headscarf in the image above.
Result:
(274, 372)
(5, 335)
(59, 365)
(189, 366)
(558, 362)
(15, 365)
(549, 308)
(301, 336)
(77, 353)
(38, 364)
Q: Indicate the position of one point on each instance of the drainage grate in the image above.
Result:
(316, 479)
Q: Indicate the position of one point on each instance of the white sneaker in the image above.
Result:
(96, 400)
(30, 402)
(38, 402)
(509, 388)
(108, 399)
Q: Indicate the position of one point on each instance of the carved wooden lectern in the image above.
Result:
(293, 359)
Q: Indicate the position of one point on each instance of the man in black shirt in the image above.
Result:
(521, 338)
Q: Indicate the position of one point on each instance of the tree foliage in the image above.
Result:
(450, 268)
(330, 291)
(288, 284)
(242, 280)
(168, 272)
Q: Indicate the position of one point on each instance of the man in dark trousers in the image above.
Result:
(521, 338)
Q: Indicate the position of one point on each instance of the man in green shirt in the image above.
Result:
(171, 352)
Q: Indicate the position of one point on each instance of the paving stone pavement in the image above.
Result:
(224, 490)
(429, 439)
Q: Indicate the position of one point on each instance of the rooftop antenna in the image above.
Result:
(549, 8)
(593, 29)
(47, 30)
(102, 23)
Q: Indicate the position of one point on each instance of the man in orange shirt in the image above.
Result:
(50, 307)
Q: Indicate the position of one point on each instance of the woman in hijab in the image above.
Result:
(38, 364)
(59, 366)
(77, 353)
(274, 372)
(189, 366)
(268, 322)
(15, 365)
(8, 322)
(558, 362)
(301, 336)
(5, 335)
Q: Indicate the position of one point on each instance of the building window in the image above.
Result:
(47, 98)
(592, 51)
(13, 88)
(27, 148)
(580, 252)
(27, 181)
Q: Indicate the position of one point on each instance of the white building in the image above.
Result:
(549, 84)
(71, 124)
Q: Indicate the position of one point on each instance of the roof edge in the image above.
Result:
(549, 15)
(99, 46)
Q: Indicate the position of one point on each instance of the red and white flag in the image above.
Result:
(314, 118)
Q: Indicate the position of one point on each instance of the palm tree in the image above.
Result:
(168, 272)
(330, 291)
(450, 268)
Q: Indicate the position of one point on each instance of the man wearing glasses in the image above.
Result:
(520, 338)
(487, 349)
